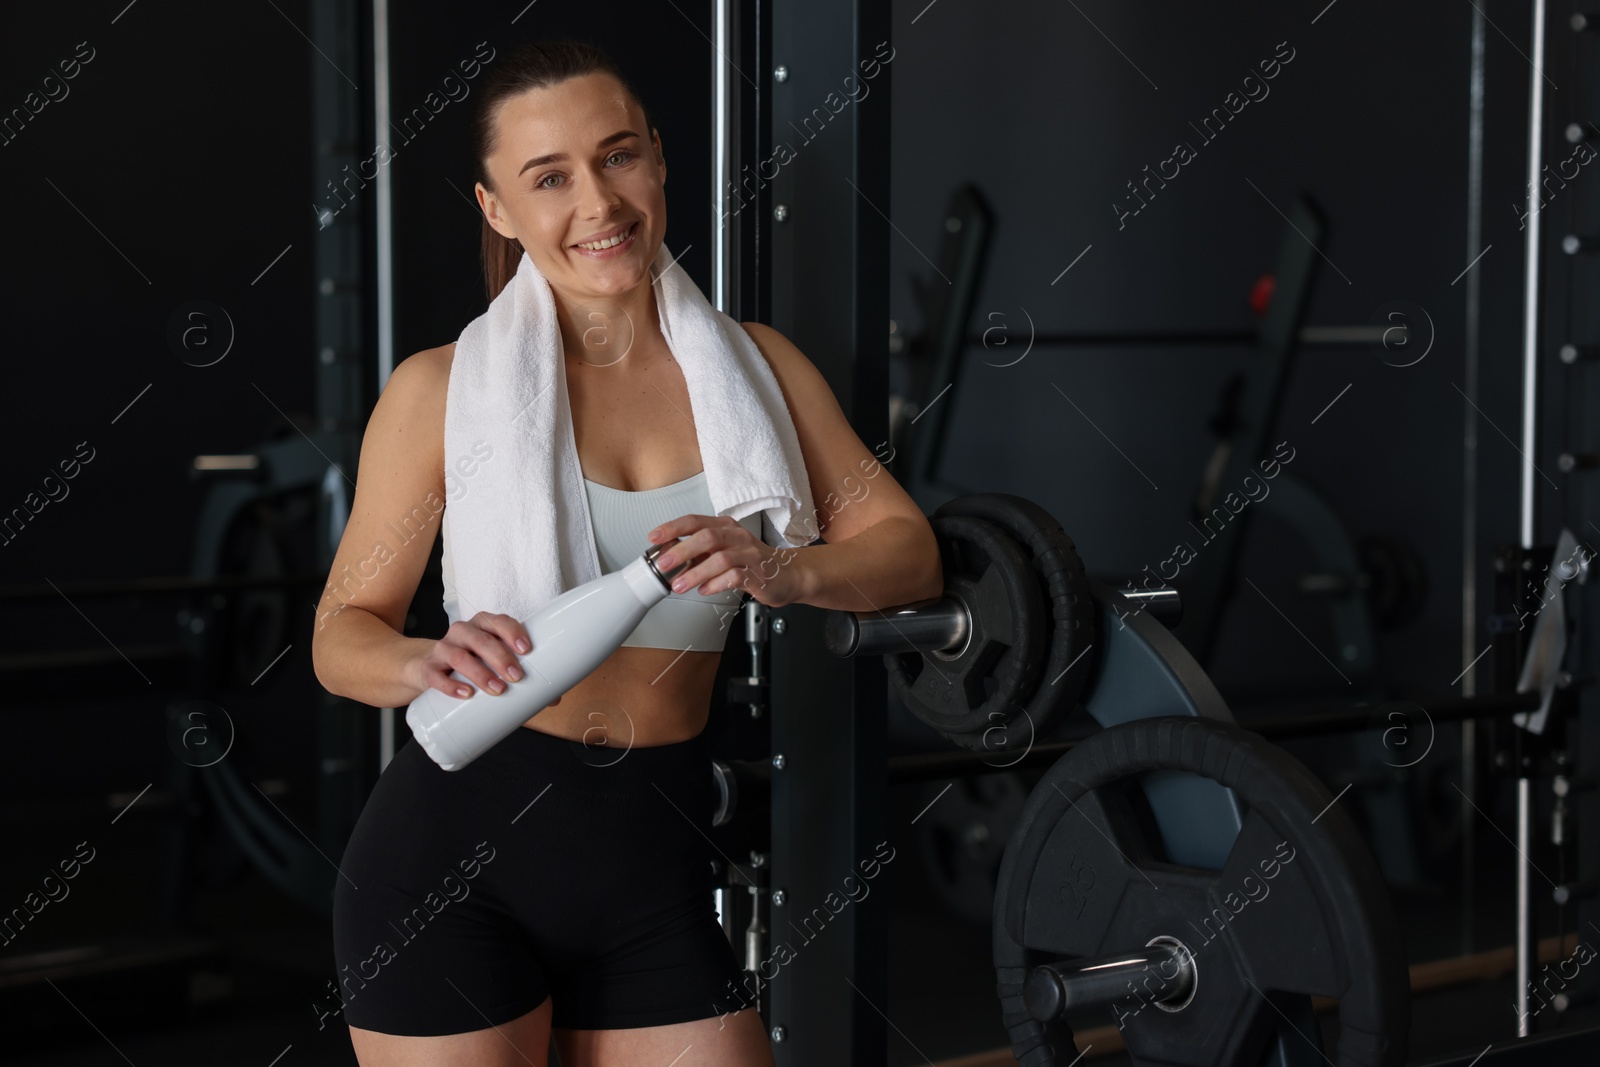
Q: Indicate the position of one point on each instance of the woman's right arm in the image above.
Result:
(358, 649)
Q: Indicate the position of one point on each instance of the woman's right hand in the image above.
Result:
(483, 648)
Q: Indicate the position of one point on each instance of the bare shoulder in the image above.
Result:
(773, 345)
(419, 384)
(431, 365)
(407, 423)
(796, 374)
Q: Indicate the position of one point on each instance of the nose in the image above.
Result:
(599, 199)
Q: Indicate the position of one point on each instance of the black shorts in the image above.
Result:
(544, 868)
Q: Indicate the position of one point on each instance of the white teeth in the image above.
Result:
(596, 246)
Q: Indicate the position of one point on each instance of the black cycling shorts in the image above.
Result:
(544, 868)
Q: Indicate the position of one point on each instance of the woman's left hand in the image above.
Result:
(725, 555)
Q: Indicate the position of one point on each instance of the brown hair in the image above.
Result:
(530, 65)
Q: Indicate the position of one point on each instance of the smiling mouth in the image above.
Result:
(611, 243)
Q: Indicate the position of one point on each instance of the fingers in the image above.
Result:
(685, 526)
(737, 548)
(478, 651)
(711, 572)
(712, 532)
(682, 525)
(434, 678)
(508, 629)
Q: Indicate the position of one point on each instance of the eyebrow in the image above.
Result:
(557, 157)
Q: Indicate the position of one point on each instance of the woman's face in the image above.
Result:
(575, 164)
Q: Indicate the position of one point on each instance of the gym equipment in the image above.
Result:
(250, 566)
(815, 266)
(1558, 401)
(1139, 671)
(987, 577)
(244, 521)
(1297, 906)
(986, 690)
(571, 636)
(744, 789)
(989, 683)
(1244, 424)
(1310, 720)
(1379, 582)
(1073, 623)
(231, 614)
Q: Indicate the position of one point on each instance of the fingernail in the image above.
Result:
(678, 586)
(496, 685)
(513, 673)
(522, 645)
(463, 692)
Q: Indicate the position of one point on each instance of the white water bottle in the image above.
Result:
(571, 635)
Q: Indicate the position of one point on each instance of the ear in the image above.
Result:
(490, 205)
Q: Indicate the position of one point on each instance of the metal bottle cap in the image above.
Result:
(654, 552)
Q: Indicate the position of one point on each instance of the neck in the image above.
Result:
(599, 330)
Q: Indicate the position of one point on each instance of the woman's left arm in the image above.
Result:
(880, 551)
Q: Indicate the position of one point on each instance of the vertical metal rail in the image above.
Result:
(1530, 378)
(723, 253)
(1469, 478)
(724, 119)
(383, 226)
(346, 748)
(383, 223)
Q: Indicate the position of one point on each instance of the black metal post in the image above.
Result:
(829, 266)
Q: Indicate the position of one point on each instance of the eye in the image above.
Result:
(541, 183)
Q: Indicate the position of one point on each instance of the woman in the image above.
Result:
(480, 912)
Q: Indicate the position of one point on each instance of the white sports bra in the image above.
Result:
(621, 520)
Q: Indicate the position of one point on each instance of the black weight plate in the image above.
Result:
(1299, 908)
(1074, 618)
(989, 572)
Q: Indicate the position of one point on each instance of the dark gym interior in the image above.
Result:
(1243, 357)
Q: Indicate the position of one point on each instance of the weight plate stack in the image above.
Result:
(969, 691)
(1073, 619)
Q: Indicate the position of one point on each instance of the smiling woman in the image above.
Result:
(623, 410)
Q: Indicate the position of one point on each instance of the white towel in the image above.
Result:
(516, 511)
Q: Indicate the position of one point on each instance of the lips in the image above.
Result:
(627, 229)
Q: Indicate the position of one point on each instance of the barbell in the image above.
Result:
(993, 662)
(1176, 864)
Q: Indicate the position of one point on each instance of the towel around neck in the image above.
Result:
(516, 514)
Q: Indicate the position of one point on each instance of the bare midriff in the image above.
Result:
(637, 698)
